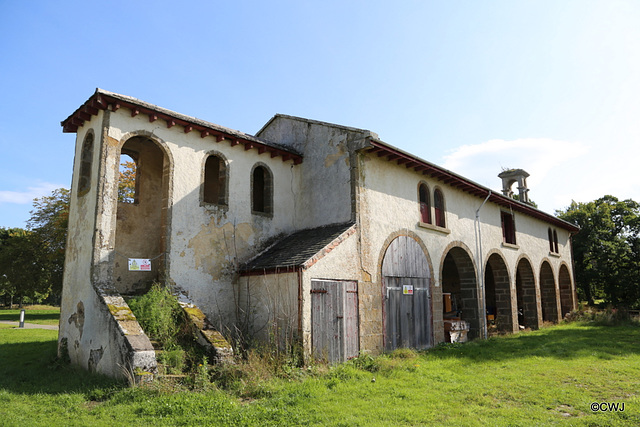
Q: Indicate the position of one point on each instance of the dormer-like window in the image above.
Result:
(261, 190)
(425, 203)
(214, 189)
(508, 228)
(438, 205)
(86, 159)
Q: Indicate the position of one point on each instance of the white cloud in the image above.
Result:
(27, 196)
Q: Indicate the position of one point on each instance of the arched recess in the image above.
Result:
(86, 160)
(406, 279)
(142, 226)
(566, 291)
(526, 295)
(498, 294)
(548, 294)
(459, 280)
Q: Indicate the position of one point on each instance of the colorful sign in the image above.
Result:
(407, 289)
(139, 264)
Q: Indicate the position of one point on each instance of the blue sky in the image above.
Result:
(552, 87)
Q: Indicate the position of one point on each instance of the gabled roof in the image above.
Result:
(395, 155)
(104, 100)
(299, 250)
(320, 123)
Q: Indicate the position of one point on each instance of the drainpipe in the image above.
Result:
(480, 264)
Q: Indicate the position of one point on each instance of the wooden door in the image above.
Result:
(334, 320)
(407, 309)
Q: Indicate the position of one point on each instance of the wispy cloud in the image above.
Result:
(550, 162)
(27, 196)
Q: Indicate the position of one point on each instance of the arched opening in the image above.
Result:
(261, 190)
(86, 160)
(438, 205)
(548, 294)
(425, 203)
(406, 278)
(215, 181)
(526, 296)
(460, 284)
(141, 226)
(498, 295)
(566, 292)
(551, 249)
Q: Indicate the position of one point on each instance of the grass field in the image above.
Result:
(546, 377)
(38, 314)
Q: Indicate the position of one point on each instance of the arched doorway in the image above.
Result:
(406, 278)
(459, 281)
(548, 295)
(141, 218)
(498, 295)
(566, 292)
(526, 295)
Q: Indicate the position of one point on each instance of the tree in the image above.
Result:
(606, 250)
(49, 222)
(127, 182)
(24, 269)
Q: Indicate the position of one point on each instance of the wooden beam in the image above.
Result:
(261, 149)
(248, 146)
(170, 122)
(188, 128)
(234, 142)
(152, 117)
(135, 112)
(204, 133)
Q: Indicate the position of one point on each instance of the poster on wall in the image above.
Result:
(139, 264)
(407, 289)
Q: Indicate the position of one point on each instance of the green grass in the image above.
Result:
(546, 377)
(41, 315)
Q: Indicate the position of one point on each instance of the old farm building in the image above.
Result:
(307, 231)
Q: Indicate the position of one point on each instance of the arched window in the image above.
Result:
(425, 203)
(86, 159)
(261, 190)
(438, 205)
(550, 241)
(555, 241)
(215, 181)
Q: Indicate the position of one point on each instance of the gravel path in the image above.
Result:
(30, 325)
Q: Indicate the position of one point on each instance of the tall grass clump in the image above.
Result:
(159, 314)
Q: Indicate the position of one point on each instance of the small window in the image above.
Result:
(215, 181)
(128, 181)
(425, 204)
(86, 159)
(555, 241)
(508, 228)
(438, 205)
(551, 248)
(261, 190)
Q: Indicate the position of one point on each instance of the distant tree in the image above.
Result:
(49, 222)
(606, 250)
(127, 182)
(24, 269)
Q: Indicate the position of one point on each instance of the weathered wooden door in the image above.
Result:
(334, 319)
(406, 281)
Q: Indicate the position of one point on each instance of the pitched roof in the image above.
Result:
(297, 249)
(105, 100)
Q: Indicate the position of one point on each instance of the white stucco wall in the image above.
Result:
(208, 242)
(325, 174)
(389, 203)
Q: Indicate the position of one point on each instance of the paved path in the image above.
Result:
(30, 325)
